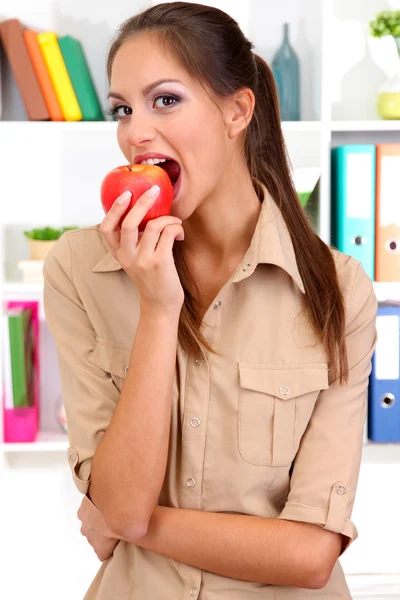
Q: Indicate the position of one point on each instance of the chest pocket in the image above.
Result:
(112, 358)
(275, 405)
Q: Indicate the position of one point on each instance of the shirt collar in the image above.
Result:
(271, 244)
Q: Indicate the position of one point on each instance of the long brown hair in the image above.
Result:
(213, 49)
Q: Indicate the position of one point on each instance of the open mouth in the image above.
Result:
(172, 168)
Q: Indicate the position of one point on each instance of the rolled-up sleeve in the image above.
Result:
(88, 392)
(326, 467)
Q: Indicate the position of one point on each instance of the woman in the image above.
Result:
(215, 388)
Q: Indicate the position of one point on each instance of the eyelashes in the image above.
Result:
(113, 111)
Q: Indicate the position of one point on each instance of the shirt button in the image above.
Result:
(341, 489)
(191, 483)
(199, 361)
(284, 390)
(217, 305)
(126, 370)
(193, 592)
(195, 422)
(246, 267)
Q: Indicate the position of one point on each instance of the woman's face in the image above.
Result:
(175, 118)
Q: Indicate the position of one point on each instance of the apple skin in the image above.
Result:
(137, 179)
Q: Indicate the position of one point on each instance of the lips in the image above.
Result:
(171, 166)
(141, 157)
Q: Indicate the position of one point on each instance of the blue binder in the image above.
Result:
(353, 169)
(384, 380)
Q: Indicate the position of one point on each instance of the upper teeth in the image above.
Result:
(153, 161)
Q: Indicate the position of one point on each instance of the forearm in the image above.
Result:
(249, 548)
(129, 465)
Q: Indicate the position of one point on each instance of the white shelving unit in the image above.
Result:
(51, 174)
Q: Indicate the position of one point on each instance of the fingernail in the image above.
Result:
(124, 197)
(153, 191)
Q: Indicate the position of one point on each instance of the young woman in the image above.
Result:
(215, 368)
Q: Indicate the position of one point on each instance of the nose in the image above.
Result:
(140, 131)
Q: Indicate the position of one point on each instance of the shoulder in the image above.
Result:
(356, 286)
(82, 247)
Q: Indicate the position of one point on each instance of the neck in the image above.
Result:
(221, 228)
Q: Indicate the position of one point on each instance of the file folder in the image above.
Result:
(384, 379)
(387, 254)
(353, 202)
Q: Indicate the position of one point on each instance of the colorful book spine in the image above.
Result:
(12, 40)
(59, 76)
(42, 75)
(82, 82)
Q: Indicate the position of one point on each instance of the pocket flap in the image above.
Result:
(284, 381)
(112, 359)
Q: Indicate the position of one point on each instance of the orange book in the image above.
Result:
(387, 234)
(42, 75)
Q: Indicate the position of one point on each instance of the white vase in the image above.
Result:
(388, 99)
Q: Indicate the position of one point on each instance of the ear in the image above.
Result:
(239, 111)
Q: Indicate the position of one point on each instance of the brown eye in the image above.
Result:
(167, 100)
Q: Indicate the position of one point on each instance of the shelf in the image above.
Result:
(288, 126)
(61, 126)
(112, 125)
(17, 289)
(387, 291)
(377, 453)
(365, 125)
(47, 441)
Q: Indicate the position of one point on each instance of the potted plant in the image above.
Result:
(40, 240)
(386, 23)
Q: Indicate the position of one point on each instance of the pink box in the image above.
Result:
(22, 424)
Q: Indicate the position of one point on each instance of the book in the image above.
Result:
(59, 76)
(42, 75)
(8, 396)
(82, 82)
(21, 343)
(12, 40)
(31, 270)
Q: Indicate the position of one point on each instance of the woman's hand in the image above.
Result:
(95, 530)
(147, 258)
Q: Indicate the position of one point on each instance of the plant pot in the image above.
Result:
(39, 248)
(388, 99)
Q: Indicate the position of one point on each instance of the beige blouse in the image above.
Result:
(261, 429)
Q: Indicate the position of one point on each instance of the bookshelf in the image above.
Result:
(41, 176)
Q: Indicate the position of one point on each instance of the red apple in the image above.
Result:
(137, 179)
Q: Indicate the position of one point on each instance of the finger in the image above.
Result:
(152, 233)
(129, 228)
(167, 238)
(141, 208)
(109, 226)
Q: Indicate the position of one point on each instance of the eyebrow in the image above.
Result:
(146, 90)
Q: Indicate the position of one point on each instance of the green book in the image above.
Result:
(81, 79)
(22, 355)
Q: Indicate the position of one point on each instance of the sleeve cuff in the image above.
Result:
(320, 516)
(81, 483)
